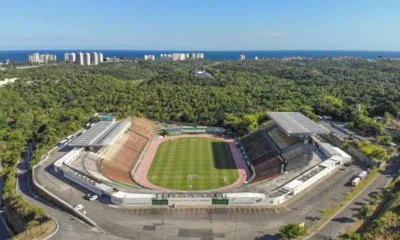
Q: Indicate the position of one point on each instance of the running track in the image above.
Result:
(144, 166)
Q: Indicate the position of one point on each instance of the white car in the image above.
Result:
(78, 207)
(93, 197)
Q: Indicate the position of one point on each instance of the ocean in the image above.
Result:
(22, 55)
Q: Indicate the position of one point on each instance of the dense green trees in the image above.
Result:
(291, 231)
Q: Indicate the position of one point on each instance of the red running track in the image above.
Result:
(140, 175)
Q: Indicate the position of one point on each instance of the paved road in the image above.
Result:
(344, 220)
(69, 226)
(183, 224)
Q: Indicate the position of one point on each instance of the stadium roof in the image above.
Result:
(101, 134)
(294, 123)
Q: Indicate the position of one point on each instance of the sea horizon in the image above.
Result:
(22, 55)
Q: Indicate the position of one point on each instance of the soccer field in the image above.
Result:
(193, 164)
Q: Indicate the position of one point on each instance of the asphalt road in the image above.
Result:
(344, 220)
(193, 223)
(69, 226)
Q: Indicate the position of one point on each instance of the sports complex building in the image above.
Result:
(140, 162)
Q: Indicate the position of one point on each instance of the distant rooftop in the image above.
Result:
(294, 123)
(101, 134)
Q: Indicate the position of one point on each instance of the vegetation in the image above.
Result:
(364, 211)
(386, 221)
(193, 164)
(373, 150)
(291, 231)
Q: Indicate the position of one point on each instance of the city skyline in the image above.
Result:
(226, 25)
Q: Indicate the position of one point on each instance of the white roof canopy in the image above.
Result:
(296, 123)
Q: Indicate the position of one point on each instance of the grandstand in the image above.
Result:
(143, 126)
(280, 139)
(297, 156)
(119, 161)
(262, 155)
(281, 146)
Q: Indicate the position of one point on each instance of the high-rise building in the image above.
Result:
(95, 58)
(176, 56)
(242, 57)
(101, 58)
(66, 56)
(187, 55)
(194, 55)
(72, 57)
(86, 58)
(256, 58)
(149, 57)
(182, 56)
(79, 58)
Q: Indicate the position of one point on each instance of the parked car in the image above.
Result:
(78, 207)
(93, 197)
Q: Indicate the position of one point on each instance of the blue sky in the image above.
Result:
(201, 24)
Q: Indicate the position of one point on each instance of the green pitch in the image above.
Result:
(193, 164)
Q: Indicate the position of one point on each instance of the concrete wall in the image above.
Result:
(354, 151)
(82, 182)
(131, 201)
(17, 224)
(190, 201)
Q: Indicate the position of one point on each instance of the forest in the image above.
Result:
(47, 103)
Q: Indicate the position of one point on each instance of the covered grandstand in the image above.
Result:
(282, 146)
(101, 134)
(295, 123)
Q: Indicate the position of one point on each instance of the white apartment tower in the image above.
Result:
(72, 57)
(79, 58)
(66, 56)
(100, 57)
(95, 58)
(242, 57)
(86, 58)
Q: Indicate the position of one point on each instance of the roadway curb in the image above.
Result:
(53, 233)
(323, 225)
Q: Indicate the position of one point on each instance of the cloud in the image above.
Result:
(269, 34)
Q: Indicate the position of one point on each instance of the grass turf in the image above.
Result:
(193, 164)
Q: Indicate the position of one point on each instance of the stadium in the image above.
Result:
(141, 162)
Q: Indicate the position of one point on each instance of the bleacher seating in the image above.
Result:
(119, 163)
(271, 152)
(280, 139)
(115, 173)
(297, 156)
(263, 155)
(251, 138)
(143, 127)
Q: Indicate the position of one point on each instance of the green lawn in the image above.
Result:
(193, 164)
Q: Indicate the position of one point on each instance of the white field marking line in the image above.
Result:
(330, 219)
